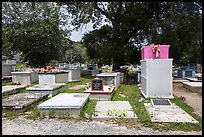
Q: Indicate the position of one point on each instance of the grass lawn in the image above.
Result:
(126, 92)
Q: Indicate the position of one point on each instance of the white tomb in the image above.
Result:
(74, 75)
(53, 78)
(64, 104)
(109, 76)
(24, 78)
(156, 78)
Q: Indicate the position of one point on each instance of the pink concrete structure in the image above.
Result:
(147, 52)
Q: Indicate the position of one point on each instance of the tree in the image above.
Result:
(33, 29)
(132, 23)
(127, 22)
(182, 28)
(76, 53)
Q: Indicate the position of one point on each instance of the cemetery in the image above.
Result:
(142, 68)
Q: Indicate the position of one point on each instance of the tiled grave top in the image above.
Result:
(193, 79)
(65, 100)
(12, 87)
(168, 114)
(108, 74)
(193, 84)
(46, 86)
(18, 101)
(23, 72)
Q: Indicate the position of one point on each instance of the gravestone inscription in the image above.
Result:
(97, 84)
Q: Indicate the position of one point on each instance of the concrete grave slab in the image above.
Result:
(106, 94)
(64, 103)
(102, 108)
(168, 114)
(179, 80)
(194, 80)
(51, 89)
(22, 101)
(11, 89)
(190, 85)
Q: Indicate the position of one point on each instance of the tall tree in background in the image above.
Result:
(33, 29)
(127, 22)
(132, 23)
(181, 27)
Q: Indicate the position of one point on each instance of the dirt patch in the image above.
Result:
(192, 99)
(77, 87)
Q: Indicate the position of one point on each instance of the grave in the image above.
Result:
(113, 109)
(11, 89)
(99, 91)
(156, 72)
(53, 78)
(194, 79)
(6, 69)
(186, 72)
(91, 69)
(51, 89)
(108, 77)
(64, 104)
(165, 111)
(22, 101)
(24, 77)
(179, 80)
(192, 85)
(73, 75)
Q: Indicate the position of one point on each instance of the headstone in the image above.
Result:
(97, 84)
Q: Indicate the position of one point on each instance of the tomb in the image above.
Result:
(22, 101)
(156, 72)
(192, 85)
(108, 77)
(99, 91)
(186, 72)
(194, 79)
(24, 78)
(73, 75)
(91, 69)
(113, 109)
(64, 104)
(11, 89)
(51, 89)
(164, 111)
(53, 78)
(6, 69)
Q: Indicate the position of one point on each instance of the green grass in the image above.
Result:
(89, 107)
(133, 93)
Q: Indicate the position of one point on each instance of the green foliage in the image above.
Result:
(76, 53)
(133, 23)
(89, 107)
(33, 29)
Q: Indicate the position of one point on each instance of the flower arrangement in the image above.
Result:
(156, 50)
(42, 70)
(117, 113)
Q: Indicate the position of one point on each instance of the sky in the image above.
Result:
(77, 35)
